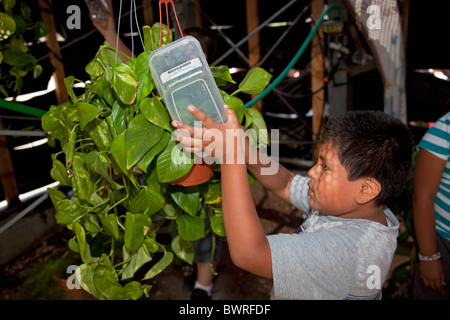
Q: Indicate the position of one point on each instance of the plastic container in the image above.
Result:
(99, 10)
(182, 77)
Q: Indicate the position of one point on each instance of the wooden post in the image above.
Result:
(148, 12)
(55, 59)
(7, 177)
(317, 78)
(253, 42)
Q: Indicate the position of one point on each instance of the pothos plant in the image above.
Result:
(116, 161)
(16, 28)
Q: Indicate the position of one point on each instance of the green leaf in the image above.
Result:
(135, 261)
(92, 225)
(217, 225)
(183, 249)
(37, 71)
(82, 178)
(160, 265)
(67, 210)
(189, 202)
(133, 290)
(94, 68)
(153, 152)
(151, 244)
(214, 194)
(68, 82)
(136, 226)
(148, 201)
(105, 281)
(145, 81)
(99, 162)
(99, 131)
(254, 81)
(191, 228)
(85, 277)
(173, 163)
(255, 121)
(140, 136)
(7, 26)
(40, 30)
(87, 112)
(59, 172)
(83, 246)
(118, 153)
(147, 34)
(16, 57)
(155, 112)
(164, 35)
(124, 82)
(8, 4)
(52, 124)
(221, 75)
(234, 103)
(110, 225)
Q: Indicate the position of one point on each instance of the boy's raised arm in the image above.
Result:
(274, 177)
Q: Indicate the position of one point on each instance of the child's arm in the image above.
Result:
(427, 177)
(247, 242)
(277, 181)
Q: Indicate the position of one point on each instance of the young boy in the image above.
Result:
(345, 247)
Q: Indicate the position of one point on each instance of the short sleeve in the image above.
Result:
(309, 266)
(298, 193)
(437, 139)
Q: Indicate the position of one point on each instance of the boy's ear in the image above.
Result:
(370, 188)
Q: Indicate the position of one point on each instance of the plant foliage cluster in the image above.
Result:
(17, 27)
(116, 161)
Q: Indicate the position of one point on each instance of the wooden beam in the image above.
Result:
(55, 59)
(7, 177)
(148, 12)
(317, 78)
(254, 53)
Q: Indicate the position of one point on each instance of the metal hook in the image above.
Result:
(166, 2)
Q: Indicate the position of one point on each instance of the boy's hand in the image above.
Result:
(213, 138)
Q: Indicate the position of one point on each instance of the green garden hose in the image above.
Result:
(294, 60)
(21, 108)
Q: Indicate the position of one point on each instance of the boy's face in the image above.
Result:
(329, 188)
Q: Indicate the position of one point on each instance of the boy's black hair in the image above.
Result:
(373, 144)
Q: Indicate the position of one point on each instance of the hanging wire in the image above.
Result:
(131, 29)
(118, 30)
(137, 24)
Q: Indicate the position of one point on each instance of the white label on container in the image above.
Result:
(180, 69)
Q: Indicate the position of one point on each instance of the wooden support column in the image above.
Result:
(55, 59)
(254, 53)
(317, 78)
(7, 177)
(148, 12)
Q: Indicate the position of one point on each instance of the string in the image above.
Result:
(118, 29)
(137, 24)
(131, 29)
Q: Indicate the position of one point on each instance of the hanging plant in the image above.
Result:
(16, 61)
(117, 158)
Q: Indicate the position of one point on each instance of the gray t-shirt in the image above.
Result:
(330, 257)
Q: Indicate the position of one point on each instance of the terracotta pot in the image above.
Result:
(73, 294)
(200, 173)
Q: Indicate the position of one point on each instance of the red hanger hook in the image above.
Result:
(166, 2)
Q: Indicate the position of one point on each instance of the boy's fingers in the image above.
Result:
(206, 121)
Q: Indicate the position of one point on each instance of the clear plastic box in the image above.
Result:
(182, 77)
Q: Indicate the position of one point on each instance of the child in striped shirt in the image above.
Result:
(431, 212)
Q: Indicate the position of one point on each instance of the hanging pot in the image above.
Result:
(200, 173)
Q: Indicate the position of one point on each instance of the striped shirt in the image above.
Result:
(437, 141)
